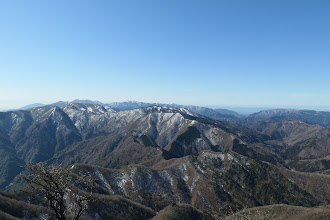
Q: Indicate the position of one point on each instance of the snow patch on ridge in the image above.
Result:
(104, 181)
(121, 181)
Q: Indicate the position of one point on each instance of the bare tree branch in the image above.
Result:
(57, 183)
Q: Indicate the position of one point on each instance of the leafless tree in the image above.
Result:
(59, 185)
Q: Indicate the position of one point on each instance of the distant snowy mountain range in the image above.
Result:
(129, 105)
(224, 113)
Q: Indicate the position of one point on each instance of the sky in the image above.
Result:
(208, 52)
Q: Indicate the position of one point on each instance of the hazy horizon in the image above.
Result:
(220, 53)
(248, 109)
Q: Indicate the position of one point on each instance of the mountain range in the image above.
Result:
(151, 156)
(128, 105)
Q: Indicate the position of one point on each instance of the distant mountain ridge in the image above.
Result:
(310, 116)
(31, 106)
(59, 104)
(221, 114)
(233, 111)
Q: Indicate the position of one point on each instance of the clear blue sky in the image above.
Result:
(220, 52)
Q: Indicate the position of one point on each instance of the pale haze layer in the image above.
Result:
(220, 53)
